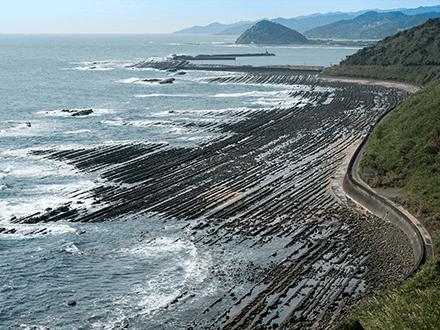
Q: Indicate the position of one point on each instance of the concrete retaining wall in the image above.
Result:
(359, 192)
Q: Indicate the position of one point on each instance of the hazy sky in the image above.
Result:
(163, 16)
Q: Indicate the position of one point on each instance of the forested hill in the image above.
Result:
(371, 25)
(270, 33)
(411, 55)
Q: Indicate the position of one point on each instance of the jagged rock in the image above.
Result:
(151, 80)
(77, 113)
(167, 81)
(160, 81)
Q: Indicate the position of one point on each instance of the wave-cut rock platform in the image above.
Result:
(263, 187)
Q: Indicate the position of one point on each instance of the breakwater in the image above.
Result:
(359, 192)
(224, 57)
(183, 62)
(261, 188)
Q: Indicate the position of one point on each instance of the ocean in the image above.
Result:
(64, 275)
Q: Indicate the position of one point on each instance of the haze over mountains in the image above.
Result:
(369, 26)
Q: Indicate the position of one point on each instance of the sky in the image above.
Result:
(163, 16)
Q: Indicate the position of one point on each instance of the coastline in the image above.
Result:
(263, 189)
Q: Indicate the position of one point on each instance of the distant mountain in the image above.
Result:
(371, 25)
(419, 10)
(300, 23)
(214, 28)
(411, 55)
(237, 30)
(270, 33)
(310, 22)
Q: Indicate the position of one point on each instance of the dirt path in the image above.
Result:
(408, 87)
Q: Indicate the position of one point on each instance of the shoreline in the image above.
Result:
(263, 189)
(351, 179)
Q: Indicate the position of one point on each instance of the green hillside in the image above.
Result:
(404, 153)
(412, 55)
(270, 33)
(371, 25)
(412, 305)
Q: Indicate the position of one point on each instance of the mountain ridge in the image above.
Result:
(370, 25)
(299, 23)
(411, 55)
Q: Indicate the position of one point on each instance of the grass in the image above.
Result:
(404, 152)
(411, 55)
(412, 305)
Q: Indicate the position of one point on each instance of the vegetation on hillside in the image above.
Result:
(405, 152)
(371, 25)
(411, 55)
(270, 33)
(412, 305)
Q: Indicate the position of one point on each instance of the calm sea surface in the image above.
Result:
(117, 272)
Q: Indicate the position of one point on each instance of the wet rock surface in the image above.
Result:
(260, 188)
(160, 81)
(77, 113)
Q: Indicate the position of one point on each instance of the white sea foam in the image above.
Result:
(81, 131)
(33, 327)
(93, 68)
(139, 123)
(97, 65)
(28, 231)
(60, 113)
(70, 247)
(280, 94)
(31, 184)
(195, 138)
(23, 129)
(198, 113)
(169, 95)
(181, 261)
(129, 80)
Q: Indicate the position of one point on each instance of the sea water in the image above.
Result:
(126, 271)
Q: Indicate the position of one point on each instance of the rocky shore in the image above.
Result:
(263, 187)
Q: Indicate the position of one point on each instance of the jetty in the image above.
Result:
(175, 63)
(223, 57)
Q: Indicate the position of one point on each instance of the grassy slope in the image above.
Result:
(412, 305)
(405, 151)
(412, 55)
